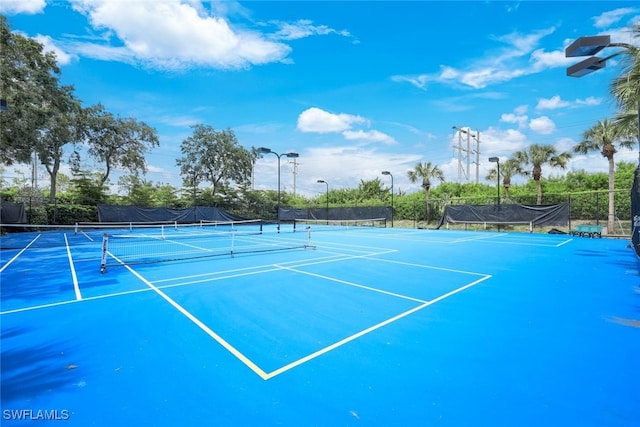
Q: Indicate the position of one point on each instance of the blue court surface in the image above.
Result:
(363, 326)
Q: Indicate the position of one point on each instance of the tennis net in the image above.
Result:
(140, 244)
(339, 224)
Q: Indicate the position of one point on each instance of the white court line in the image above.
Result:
(76, 288)
(355, 285)
(255, 368)
(451, 270)
(240, 356)
(343, 342)
(73, 301)
(564, 243)
(264, 269)
(19, 253)
(370, 329)
(87, 236)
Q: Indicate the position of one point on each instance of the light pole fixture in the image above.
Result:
(589, 46)
(322, 181)
(264, 150)
(496, 160)
(389, 174)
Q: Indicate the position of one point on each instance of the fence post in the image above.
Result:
(569, 211)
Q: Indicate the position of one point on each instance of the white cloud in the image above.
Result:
(589, 101)
(542, 125)
(172, 34)
(371, 135)
(503, 143)
(555, 102)
(304, 28)
(552, 103)
(519, 116)
(317, 120)
(518, 57)
(15, 7)
(320, 121)
(419, 81)
(49, 45)
(612, 17)
(541, 59)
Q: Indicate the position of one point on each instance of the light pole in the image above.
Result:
(264, 150)
(589, 46)
(322, 181)
(389, 174)
(496, 160)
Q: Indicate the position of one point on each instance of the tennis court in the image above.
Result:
(324, 326)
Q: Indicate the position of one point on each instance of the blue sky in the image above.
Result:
(354, 87)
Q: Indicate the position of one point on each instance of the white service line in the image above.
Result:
(355, 285)
(19, 253)
(244, 359)
(76, 288)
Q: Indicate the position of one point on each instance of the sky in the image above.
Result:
(354, 87)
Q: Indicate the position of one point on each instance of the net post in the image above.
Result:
(105, 249)
(308, 237)
(75, 230)
(233, 238)
(162, 232)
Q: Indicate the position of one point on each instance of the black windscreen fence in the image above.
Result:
(535, 215)
(13, 213)
(336, 213)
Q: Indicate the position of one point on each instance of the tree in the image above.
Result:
(116, 141)
(139, 192)
(215, 157)
(426, 172)
(60, 128)
(508, 169)
(538, 155)
(602, 137)
(27, 77)
(370, 190)
(626, 89)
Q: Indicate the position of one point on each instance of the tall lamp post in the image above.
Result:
(589, 46)
(264, 150)
(322, 181)
(389, 174)
(496, 160)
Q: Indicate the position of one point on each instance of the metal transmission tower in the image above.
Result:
(295, 172)
(467, 153)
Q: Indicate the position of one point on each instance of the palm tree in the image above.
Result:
(508, 169)
(426, 172)
(538, 155)
(601, 137)
(626, 89)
